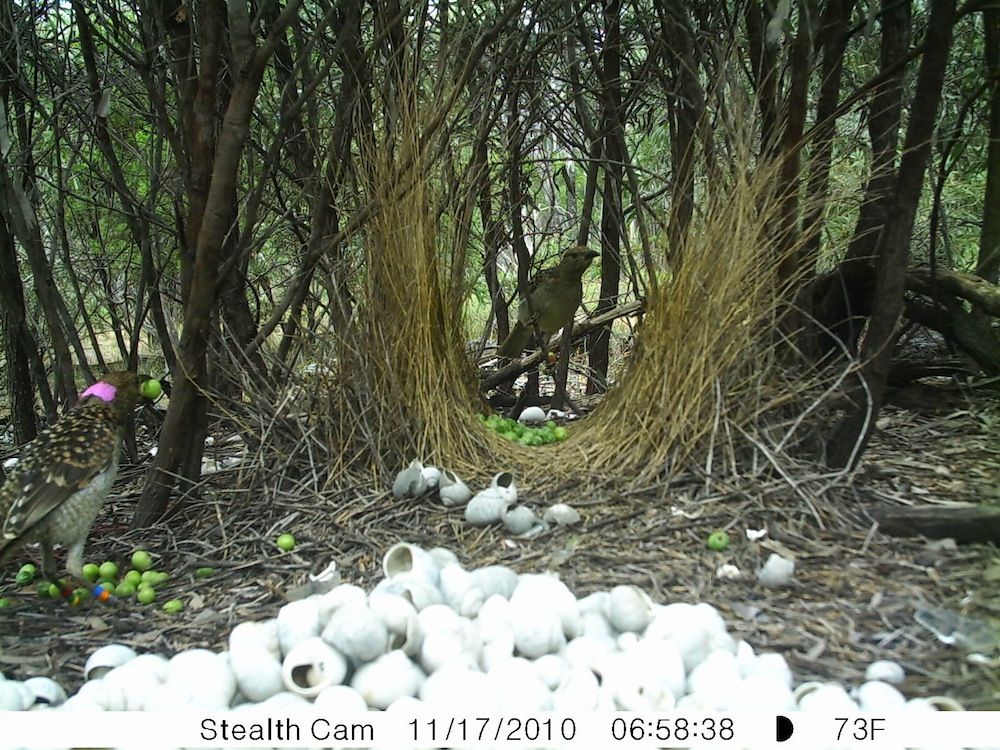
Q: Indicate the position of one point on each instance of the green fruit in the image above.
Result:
(159, 577)
(54, 591)
(718, 540)
(5, 602)
(286, 542)
(24, 577)
(79, 595)
(133, 577)
(28, 569)
(43, 588)
(144, 585)
(204, 572)
(173, 606)
(124, 590)
(91, 571)
(146, 596)
(560, 432)
(108, 570)
(151, 389)
(141, 560)
(148, 576)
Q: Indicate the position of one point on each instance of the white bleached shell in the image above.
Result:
(452, 490)
(400, 618)
(552, 668)
(486, 507)
(577, 691)
(410, 481)
(537, 629)
(764, 692)
(459, 591)
(10, 463)
(547, 593)
(692, 629)
(311, 667)
(443, 557)
(636, 687)
(532, 415)
(769, 663)
(561, 514)
(777, 571)
(410, 559)
(627, 641)
(207, 675)
(256, 635)
(448, 638)
(387, 679)
(106, 658)
(629, 609)
(518, 688)
(498, 646)
(340, 699)
(128, 685)
(596, 602)
(168, 696)
(495, 580)
(412, 587)
(595, 625)
(431, 475)
(357, 632)
(589, 652)
(14, 696)
(878, 697)
(45, 690)
(340, 596)
(458, 689)
(297, 621)
(826, 698)
(257, 671)
(717, 674)
(282, 702)
(519, 520)
(886, 671)
(503, 486)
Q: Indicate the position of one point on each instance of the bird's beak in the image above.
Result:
(592, 254)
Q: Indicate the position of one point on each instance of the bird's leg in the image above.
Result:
(74, 564)
(50, 572)
(562, 366)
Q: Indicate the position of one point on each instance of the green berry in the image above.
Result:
(141, 560)
(42, 589)
(124, 590)
(173, 606)
(79, 595)
(560, 432)
(54, 591)
(718, 540)
(108, 570)
(146, 596)
(91, 571)
(286, 542)
(133, 577)
(151, 389)
(24, 577)
(5, 602)
(204, 572)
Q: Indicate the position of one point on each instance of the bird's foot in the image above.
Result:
(76, 595)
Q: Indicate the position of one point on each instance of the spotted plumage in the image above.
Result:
(64, 475)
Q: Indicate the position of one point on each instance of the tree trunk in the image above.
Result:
(988, 265)
(17, 341)
(851, 434)
(611, 213)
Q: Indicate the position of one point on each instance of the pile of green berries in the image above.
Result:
(513, 430)
(140, 581)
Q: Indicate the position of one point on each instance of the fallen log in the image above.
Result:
(965, 524)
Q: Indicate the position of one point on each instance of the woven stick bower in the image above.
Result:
(405, 387)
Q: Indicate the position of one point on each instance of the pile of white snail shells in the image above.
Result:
(436, 636)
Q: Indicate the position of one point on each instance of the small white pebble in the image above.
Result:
(728, 572)
(886, 671)
(562, 514)
(777, 571)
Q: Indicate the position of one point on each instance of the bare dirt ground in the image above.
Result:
(853, 598)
